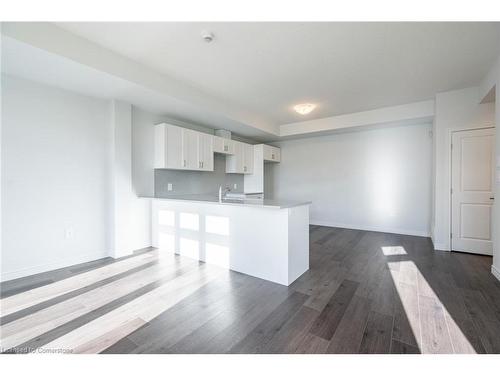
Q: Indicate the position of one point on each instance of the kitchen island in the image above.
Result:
(268, 239)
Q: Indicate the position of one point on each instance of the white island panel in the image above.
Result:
(272, 244)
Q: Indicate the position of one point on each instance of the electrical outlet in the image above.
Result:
(235, 186)
(68, 233)
(169, 187)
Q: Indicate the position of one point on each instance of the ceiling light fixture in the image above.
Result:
(304, 108)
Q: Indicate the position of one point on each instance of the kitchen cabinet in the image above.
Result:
(190, 149)
(168, 147)
(262, 154)
(247, 158)
(223, 145)
(242, 159)
(272, 153)
(181, 148)
(185, 149)
(205, 152)
(235, 162)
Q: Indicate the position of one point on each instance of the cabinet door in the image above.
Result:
(218, 144)
(271, 153)
(235, 162)
(205, 152)
(223, 145)
(189, 149)
(276, 156)
(247, 159)
(228, 147)
(173, 147)
(160, 139)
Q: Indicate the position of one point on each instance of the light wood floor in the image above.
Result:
(366, 292)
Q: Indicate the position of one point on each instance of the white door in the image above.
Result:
(472, 190)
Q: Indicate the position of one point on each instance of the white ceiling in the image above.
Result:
(22, 60)
(344, 67)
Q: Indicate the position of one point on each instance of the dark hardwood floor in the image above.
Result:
(365, 292)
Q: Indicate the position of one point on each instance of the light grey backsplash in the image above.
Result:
(270, 170)
(194, 182)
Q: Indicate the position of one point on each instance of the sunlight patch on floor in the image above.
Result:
(394, 250)
(425, 318)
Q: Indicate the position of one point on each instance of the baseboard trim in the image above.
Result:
(33, 270)
(441, 247)
(371, 228)
(495, 272)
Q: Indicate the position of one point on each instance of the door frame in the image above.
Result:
(450, 168)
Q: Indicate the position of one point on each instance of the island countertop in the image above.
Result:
(207, 198)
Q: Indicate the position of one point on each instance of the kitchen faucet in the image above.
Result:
(222, 195)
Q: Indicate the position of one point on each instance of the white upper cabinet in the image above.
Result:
(190, 149)
(234, 163)
(181, 148)
(186, 149)
(223, 145)
(205, 152)
(169, 147)
(248, 158)
(242, 159)
(272, 153)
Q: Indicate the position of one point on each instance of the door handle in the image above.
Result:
(492, 198)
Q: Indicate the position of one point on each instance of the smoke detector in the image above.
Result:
(207, 36)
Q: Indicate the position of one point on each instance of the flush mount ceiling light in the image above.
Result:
(304, 108)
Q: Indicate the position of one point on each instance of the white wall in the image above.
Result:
(55, 178)
(373, 179)
(492, 82)
(67, 166)
(455, 110)
(130, 224)
(496, 207)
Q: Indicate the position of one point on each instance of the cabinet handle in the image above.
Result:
(245, 168)
(272, 156)
(184, 163)
(202, 164)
